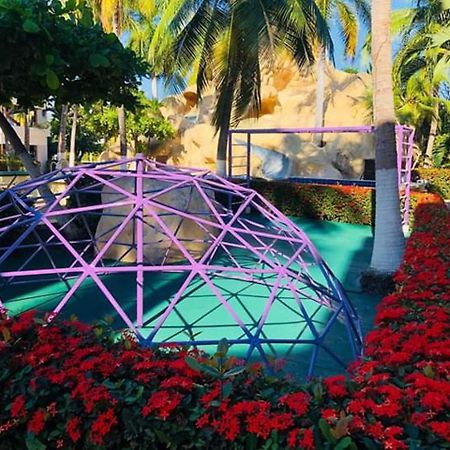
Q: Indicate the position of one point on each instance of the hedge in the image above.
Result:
(439, 180)
(67, 385)
(349, 204)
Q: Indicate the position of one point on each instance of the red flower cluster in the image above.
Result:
(70, 386)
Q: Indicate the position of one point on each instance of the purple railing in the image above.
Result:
(405, 146)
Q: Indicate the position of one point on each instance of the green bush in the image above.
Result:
(439, 180)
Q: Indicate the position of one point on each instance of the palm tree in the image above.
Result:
(422, 66)
(389, 241)
(229, 41)
(73, 136)
(118, 16)
(345, 14)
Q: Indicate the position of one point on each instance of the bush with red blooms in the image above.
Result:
(71, 386)
(348, 204)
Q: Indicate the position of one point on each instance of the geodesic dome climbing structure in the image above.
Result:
(179, 255)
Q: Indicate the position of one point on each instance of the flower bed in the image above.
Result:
(72, 386)
(349, 204)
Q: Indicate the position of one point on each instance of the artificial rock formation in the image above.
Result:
(158, 249)
(288, 101)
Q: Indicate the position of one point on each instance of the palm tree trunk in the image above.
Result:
(73, 136)
(154, 85)
(320, 96)
(122, 131)
(26, 132)
(222, 146)
(26, 159)
(432, 136)
(120, 109)
(389, 241)
(62, 132)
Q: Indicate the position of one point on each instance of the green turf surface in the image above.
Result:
(346, 249)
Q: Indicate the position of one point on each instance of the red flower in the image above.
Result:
(202, 421)
(442, 429)
(18, 407)
(336, 386)
(102, 426)
(307, 441)
(179, 382)
(163, 403)
(435, 401)
(37, 422)
(297, 402)
(73, 429)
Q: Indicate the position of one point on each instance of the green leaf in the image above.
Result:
(193, 363)
(98, 60)
(223, 346)
(52, 80)
(33, 443)
(49, 59)
(428, 371)
(326, 431)
(29, 26)
(226, 389)
(344, 443)
(210, 371)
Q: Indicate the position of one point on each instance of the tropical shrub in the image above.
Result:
(439, 180)
(349, 204)
(73, 386)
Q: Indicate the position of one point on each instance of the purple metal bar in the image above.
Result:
(409, 161)
(323, 130)
(139, 242)
(399, 132)
(249, 155)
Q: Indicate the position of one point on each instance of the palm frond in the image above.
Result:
(348, 25)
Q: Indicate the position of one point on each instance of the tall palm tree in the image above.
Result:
(345, 14)
(389, 241)
(422, 66)
(229, 41)
(118, 16)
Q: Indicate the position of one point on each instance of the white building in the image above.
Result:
(39, 132)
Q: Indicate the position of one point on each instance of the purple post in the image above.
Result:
(140, 241)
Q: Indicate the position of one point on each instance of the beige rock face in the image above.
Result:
(288, 101)
(158, 249)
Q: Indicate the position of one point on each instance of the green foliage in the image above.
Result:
(98, 125)
(10, 162)
(51, 49)
(439, 180)
(422, 66)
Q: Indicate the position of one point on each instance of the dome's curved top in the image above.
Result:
(190, 246)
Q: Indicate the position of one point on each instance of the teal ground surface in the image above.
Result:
(346, 248)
